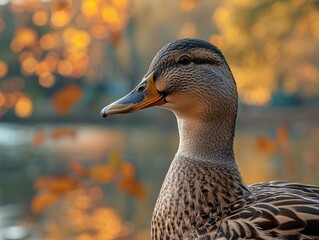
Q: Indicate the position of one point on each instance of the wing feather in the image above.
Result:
(279, 209)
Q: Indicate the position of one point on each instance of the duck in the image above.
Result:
(203, 195)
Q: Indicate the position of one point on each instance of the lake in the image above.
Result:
(34, 159)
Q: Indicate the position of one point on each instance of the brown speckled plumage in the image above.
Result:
(193, 196)
(203, 195)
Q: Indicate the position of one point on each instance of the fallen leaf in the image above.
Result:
(43, 200)
(58, 183)
(38, 138)
(265, 145)
(282, 135)
(64, 99)
(127, 170)
(133, 187)
(63, 183)
(102, 173)
(63, 132)
(77, 168)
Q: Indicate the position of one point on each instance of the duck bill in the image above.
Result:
(144, 95)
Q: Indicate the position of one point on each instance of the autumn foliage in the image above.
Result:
(115, 170)
(279, 145)
(52, 41)
(64, 99)
(57, 56)
(82, 185)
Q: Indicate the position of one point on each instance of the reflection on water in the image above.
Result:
(150, 150)
(22, 162)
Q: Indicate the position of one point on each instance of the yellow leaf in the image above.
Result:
(43, 200)
(265, 145)
(102, 173)
(64, 99)
(63, 132)
(133, 187)
(115, 161)
(38, 138)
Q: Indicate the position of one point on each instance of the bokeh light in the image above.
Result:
(83, 202)
(3, 69)
(187, 5)
(54, 41)
(29, 65)
(80, 220)
(107, 221)
(60, 18)
(47, 81)
(23, 107)
(48, 41)
(90, 8)
(26, 36)
(40, 18)
(65, 68)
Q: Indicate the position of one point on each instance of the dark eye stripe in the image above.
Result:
(206, 61)
(171, 64)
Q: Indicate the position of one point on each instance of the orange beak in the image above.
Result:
(143, 95)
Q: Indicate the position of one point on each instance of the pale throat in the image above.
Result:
(209, 141)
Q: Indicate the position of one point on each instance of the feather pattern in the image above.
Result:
(206, 201)
(281, 210)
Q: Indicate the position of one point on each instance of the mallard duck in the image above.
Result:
(203, 195)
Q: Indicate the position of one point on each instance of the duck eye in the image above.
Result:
(184, 60)
(141, 88)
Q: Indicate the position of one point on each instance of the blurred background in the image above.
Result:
(67, 174)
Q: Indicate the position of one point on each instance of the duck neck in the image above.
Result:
(208, 145)
(206, 140)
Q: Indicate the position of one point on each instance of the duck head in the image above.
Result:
(187, 76)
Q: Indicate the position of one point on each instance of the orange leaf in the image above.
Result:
(265, 145)
(282, 135)
(43, 200)
(64, 99)
(38, 138)
(63, 132)
(63, 183)
(102, 173)
(42, 182)
(127, 170)
(58, 184)
(77, 168)
(133, 187)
